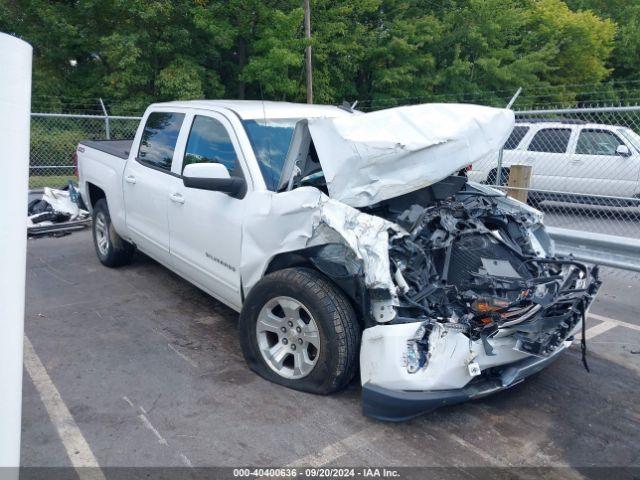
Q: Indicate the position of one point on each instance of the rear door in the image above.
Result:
(146, 183)
(598, 169)
(547, 155)
(205, 225)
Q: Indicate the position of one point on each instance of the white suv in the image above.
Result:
(572, 160)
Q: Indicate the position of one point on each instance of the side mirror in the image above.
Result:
(214, 177)
(623, 151)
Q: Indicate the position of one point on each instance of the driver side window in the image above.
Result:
(597, 142)
(209, 142)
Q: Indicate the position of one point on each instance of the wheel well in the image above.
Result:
(288, 260)
(353, 287)
(95, 194)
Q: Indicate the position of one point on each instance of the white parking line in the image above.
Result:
(606, 325)
(186, 460)
(335, 450)
(602, 318)
(183, 356)
(77, 448)
(486, 456)
(149, 425)
(599, 329)
(144, 418)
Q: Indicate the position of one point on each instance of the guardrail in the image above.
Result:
(609, 250)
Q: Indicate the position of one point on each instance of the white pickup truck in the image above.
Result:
(345, 240)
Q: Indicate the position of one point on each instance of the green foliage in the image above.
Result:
(56, 145)
(55, 181)
(133, 52)
(53, 140)
(475, 50)
(624, 59)
(274, 64)
(626, 14)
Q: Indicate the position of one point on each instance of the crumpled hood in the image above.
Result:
(375, 156)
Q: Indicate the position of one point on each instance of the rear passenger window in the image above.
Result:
(159, 139)
(597, 142)
(550, 140)
(209, 142)
(515, 138)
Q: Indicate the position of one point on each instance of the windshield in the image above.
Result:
(631, 136)
(270, 139)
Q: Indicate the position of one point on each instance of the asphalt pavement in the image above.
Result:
(136, 367)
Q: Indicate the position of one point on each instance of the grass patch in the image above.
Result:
(54, 181)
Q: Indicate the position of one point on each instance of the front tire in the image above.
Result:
(112, 250)
(299, 330)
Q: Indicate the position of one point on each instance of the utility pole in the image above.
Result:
(107, 130)
(307, 34)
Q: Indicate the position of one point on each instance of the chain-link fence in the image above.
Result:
(585, 167)
(585, 162)
(54, 138)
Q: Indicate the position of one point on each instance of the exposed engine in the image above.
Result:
(480, 262)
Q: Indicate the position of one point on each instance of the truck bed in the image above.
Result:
(117, 148)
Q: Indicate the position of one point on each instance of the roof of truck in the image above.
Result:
(254, 109)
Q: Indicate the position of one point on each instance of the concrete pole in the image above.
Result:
(15, 106)
(307, 34)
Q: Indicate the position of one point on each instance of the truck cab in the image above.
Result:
(195, 232)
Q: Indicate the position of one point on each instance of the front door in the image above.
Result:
(598, 169)
(205, 226)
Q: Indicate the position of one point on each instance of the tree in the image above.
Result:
(626, 14)
(482, 50)
(381, 52)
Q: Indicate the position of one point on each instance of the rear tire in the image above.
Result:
(277, 323)
(112, 250)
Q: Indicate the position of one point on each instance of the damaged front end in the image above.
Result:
(457, 286)
(481, 302)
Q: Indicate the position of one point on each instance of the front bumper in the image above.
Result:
(397, 406)
(460, 369)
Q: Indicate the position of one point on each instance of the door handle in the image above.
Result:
(176, 197)
(130, 179)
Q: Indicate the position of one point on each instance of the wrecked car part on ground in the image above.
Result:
(56, 212)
